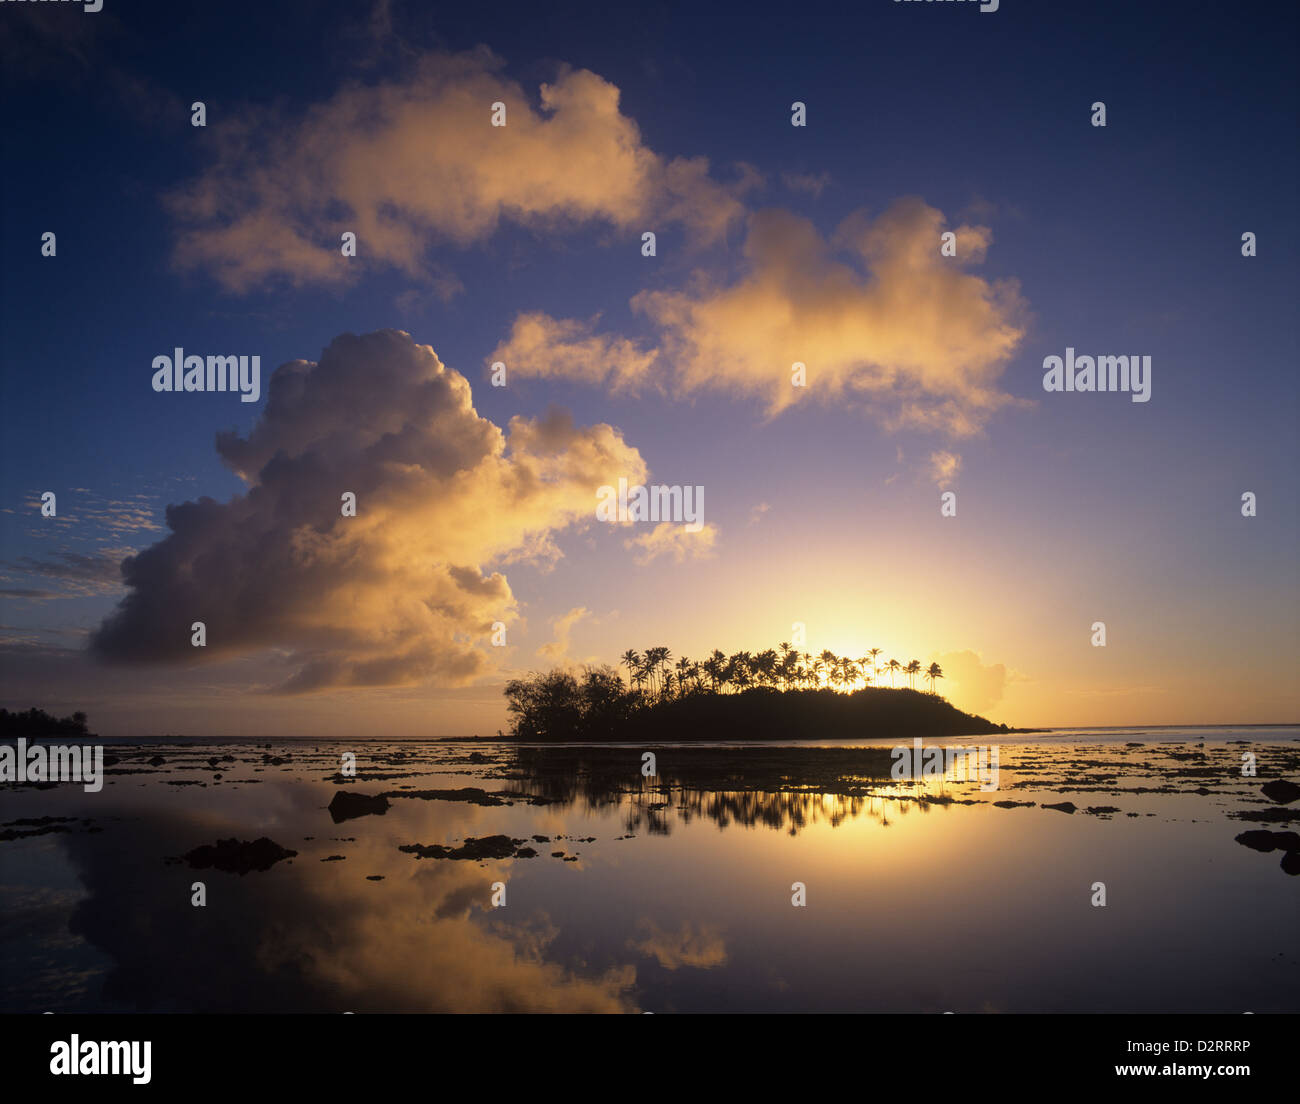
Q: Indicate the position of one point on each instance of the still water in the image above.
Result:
(670, 893)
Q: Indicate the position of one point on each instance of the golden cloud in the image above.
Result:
(416, 161)
(875, 313)
(404, 591)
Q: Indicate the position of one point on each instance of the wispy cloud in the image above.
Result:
(677, 541)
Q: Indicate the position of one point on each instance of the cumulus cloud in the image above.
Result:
(670, 539)
(973, 684)
(547, 347)
(415, 161)
(876, 314)
(404, 592)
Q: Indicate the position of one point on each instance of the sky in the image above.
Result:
(523, 244)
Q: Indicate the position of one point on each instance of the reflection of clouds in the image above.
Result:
(308, 936)
(405, 955)
(56, 969)
(701, 949)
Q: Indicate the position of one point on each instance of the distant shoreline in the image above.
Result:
(1085, 734)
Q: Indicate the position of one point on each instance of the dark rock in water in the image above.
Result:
(1263, 840)
(1064, 806)
(1275, 815)
(1281, 791)
(1131, 744)
(346, 806)
(237, 856)
(477, 757)
(333, 858)
(489, 847)
(541, 839)
(1013, 804)
(1101, 810)
(374, 877)
(1258, 840)
(157, 761)
(1291, 862)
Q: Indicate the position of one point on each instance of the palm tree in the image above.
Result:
(934, 671)
(716, 668)
(873, 652)
(913, 669)
(893, 666)
(829, 659)
(785, 669)
(741, 668)
(848, 672)
(656, 666)
(633, 663)
(683, 673)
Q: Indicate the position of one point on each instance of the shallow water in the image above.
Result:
(672, 893)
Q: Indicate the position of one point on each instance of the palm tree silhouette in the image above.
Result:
(913, 669)
(828, 660)
(893, 666)
(934, 671)
(632, 660)
(873, 652)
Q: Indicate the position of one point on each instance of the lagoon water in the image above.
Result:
(665, 894)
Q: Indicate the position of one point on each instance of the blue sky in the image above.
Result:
(1072, 508)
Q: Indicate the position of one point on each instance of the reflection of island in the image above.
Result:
(767, 696)
(774, 787)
